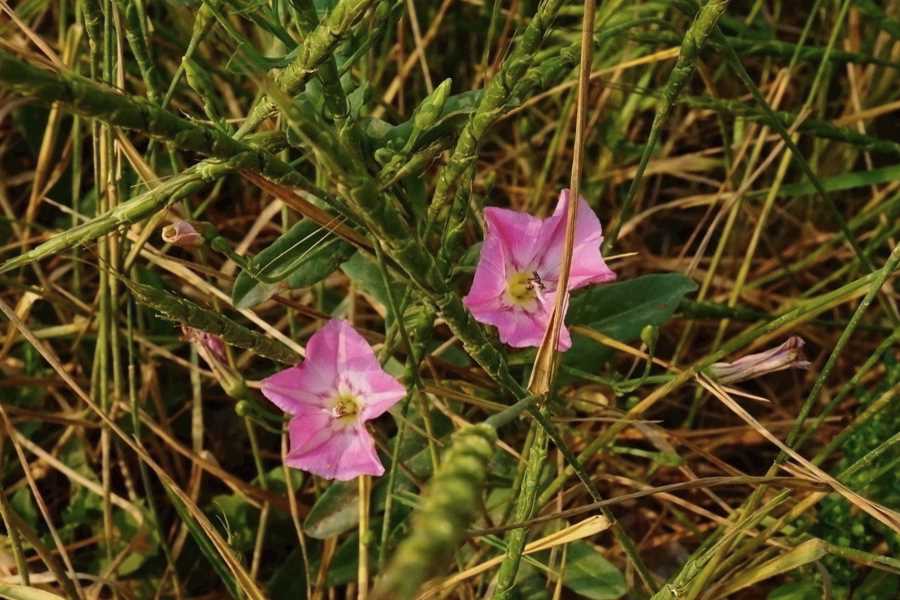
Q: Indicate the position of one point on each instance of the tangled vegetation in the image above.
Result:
(388, 299)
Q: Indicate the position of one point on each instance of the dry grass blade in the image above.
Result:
(544, 363)
(581, 530)
(307, 209)
(890, 518)
(805, 553)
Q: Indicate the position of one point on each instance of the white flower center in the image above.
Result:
(523, 288)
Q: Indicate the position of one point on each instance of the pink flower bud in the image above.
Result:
(182, 234)
(212, 349)
(788, 355)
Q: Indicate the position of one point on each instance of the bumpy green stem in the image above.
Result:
(816, 127)
(89, 99)
(333, 93)
(126, 213)
(492, 104)
(694, 39)
(448, 507)
(317, 47)
(186, 312)
(134, 33)
(515, 539)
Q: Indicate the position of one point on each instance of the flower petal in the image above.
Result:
(787, 355)
(377, 390)
(353, 352)
(489, 283)
(358, 366)
(182, 234)
(517, 232)
(346, 453)
(588, 265)
(299, 387)
(309, 431)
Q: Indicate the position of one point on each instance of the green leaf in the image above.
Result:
(621, 310)
(24, 592)
(590, 575)
(335, 512)
(305, 254)
(143, 541)
(23, 503)
(366, 275)
(842, 182)
(289, 580)
(345, 563)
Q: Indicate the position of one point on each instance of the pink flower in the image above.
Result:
(516, 279)
(786, 356)
(330, 396)
(182, 234)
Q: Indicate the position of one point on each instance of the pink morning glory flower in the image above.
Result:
(516, 278)
(330, 396)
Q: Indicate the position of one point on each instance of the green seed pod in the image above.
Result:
(384, 155)
(447, 510)
(649, 335)
(92, 14)
(428, 112)
(201, 82)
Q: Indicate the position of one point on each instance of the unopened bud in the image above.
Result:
(182, 234)
(649, 335)
(212, 349)
(788, 355)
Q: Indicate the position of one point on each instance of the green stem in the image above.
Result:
(490, 108)
(318, 46)
(515, 538)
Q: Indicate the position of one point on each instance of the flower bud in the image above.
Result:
(212, 349)
(788, 355)
(649, 335)
(182, 234)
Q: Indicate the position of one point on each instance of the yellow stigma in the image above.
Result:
(346, 408)
(522, 288)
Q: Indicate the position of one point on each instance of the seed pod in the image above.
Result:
(92, 14)
(428, 113)
(201, 82)
(448, 508)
